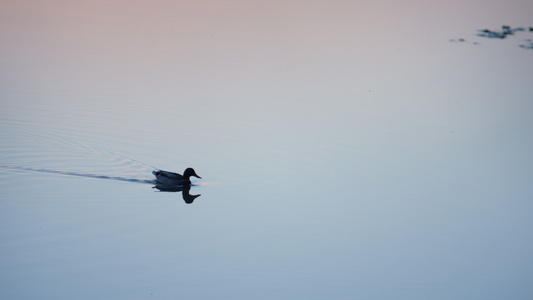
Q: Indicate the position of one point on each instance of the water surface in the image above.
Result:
(347, 149)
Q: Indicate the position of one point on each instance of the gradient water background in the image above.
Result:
(348, 150)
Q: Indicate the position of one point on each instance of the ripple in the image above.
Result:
(29, 151)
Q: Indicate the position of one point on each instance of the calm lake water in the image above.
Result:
(348, 150)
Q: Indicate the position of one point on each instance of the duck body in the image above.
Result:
(169, 179)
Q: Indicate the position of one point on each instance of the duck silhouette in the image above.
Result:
(170, 179)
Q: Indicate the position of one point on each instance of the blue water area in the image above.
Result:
(337, 162)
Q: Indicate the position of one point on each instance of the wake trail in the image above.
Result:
(88, 175)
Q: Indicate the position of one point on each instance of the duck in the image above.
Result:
(167, 178)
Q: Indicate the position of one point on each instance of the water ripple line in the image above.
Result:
(69, 173)
(115, 158)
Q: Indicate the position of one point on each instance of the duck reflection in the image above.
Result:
(184, 189)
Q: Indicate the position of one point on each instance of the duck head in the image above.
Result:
(190, 172)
